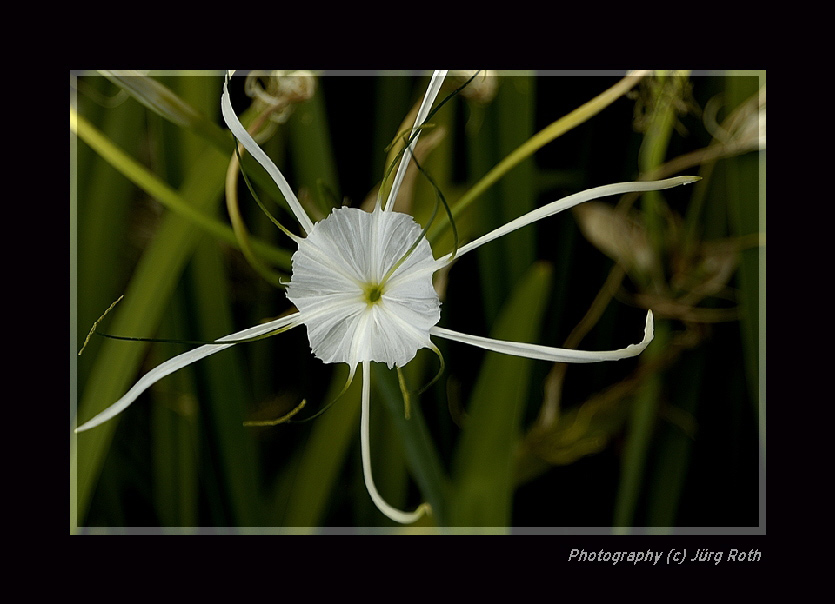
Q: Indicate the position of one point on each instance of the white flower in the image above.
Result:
(362, 284)
(358, 305)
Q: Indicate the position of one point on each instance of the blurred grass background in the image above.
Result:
(671, 441)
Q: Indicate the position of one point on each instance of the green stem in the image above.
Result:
(164, 102)
(162, 192)
(653, 153)
(417, 442)
(642, 422)
(536, 142)
(639, 436)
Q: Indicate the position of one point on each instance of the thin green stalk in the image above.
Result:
(162, 192)
(536, 142)
(239, 228)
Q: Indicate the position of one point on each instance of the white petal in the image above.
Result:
(180, 361)
(336, 263)
(385, 508)
(425, 106)
(250, 145)
(565, 203)
(546, 353)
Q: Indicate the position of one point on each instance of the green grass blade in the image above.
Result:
(536, 142)
(161, 100)
(744, 183)
(165, 194)
(484, 462)
(482, 154)
(674, 449)
(515, 104)
(509, 123)
(175, 442)
(104, 205)
(226, 391)
(423, 460)
(194, 115)
(310, 148)
(138, 315)
(315, 473)
(639, 435)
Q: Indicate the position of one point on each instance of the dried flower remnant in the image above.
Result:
(279, 90)
(482, 88)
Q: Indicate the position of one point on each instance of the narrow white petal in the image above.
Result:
(250, 145)
(385, 508)
(565, 203)
(425, 106)
(180, 361)
(546, 353)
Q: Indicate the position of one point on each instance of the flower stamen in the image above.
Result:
(373, 293)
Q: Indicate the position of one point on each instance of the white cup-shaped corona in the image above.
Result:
(359, 305)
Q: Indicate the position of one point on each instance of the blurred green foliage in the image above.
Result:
(674, 438)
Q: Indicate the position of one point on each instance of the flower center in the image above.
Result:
(373, 291)
(341, 272)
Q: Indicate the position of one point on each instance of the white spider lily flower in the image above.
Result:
(365, 308)
(362, 285)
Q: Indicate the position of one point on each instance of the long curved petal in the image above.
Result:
(618, 188)
(425, 106)
(546, 353)
(180, 361)
(385, 508)
(250, 145)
